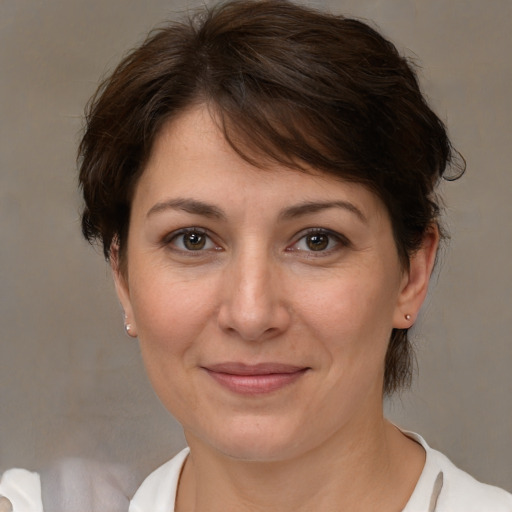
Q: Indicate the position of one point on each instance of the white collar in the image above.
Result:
(158, 492)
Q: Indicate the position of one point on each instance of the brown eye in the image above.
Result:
(320, 241)
(191, 240)
(317, 241)
(194, 241)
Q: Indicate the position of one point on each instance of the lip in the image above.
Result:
(255, 379)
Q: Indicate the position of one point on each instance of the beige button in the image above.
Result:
(5, 504)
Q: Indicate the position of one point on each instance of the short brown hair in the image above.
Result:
(287, 83)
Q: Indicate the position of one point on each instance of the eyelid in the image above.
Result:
(167, 240)
(342, 241)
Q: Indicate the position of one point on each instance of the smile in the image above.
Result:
(255, 379)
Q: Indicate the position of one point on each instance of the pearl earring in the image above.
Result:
(129, 330)
(407, 317)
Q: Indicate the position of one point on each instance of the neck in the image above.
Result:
(370, 467)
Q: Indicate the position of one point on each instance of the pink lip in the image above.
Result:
(255, 379)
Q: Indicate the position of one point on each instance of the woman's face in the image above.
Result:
(263, 299)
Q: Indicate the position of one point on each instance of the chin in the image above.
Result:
(255, 441)
(256, 451)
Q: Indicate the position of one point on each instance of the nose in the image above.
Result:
(254, 305)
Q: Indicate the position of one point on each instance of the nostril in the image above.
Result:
(252, 332)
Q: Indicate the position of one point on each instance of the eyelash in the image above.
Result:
(332, 237)
(171, 239)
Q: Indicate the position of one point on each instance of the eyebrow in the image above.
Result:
(196, 207)
(313, 207)
(187, 205)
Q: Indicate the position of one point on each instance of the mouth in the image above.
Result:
(255, 379)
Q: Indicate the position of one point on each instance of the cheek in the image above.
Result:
(170, 315)
(352, 304)
(352, 318)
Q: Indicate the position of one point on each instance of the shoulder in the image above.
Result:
(444, 487)
(84, 485)
(68, 485)
(463, 492)
(158, 491)
(23, 490)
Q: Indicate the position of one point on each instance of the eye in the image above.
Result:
(319, 240)
(191, 239)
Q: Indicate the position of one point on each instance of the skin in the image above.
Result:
(248, 282)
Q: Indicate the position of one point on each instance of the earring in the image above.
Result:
(407, 317)
(129, 330)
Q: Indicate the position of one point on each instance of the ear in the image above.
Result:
(122, 289)
(415, 281)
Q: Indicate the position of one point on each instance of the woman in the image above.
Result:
(262, 180)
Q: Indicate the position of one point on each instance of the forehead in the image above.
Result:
(191, 158)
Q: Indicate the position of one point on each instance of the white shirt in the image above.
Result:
(20, 491)
(442, 487)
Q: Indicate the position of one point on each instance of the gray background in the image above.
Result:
(71, 383)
